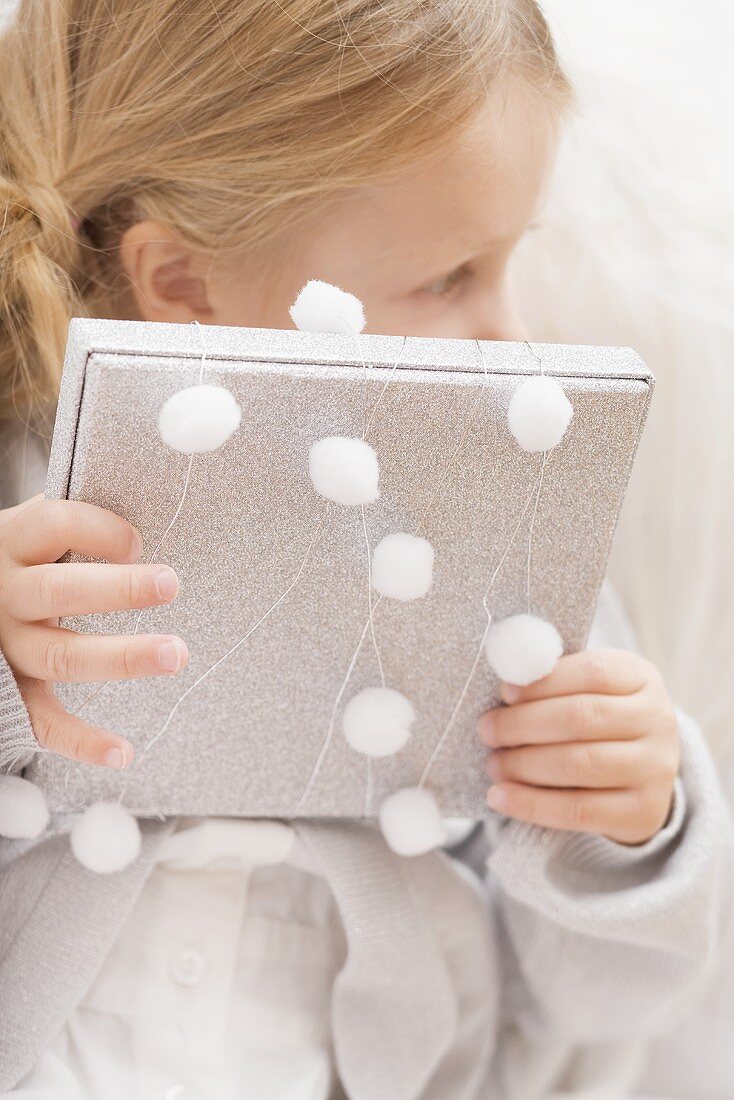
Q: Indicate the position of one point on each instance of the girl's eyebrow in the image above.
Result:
(453, 263)
(485, 245)
(443, 274)
(458, 260)
(425, 278)
(428, 276)
(462, 259)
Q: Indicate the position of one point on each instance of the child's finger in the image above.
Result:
(608, 812)
(50, 591)
(56, 654)
(596, 671)
(595, 764)
(565, 718)
(46, 530)
(64, 733)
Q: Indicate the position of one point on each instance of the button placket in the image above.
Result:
(187, 966)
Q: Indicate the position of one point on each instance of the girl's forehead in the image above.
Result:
(480, 186)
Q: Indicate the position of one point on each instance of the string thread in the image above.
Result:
(154, 553)
(534, 493)
(200, 679)
(420, 526)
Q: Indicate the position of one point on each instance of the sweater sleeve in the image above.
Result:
(23, 461)
(601, 940)
(17, 740)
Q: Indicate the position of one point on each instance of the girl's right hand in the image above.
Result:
(35, 590)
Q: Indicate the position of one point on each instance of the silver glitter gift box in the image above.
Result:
(276, 578)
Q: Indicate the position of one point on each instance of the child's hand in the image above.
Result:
(35, 592)
(593, 747)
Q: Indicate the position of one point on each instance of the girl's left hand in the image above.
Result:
(593, 747)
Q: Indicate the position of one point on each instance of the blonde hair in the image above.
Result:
(223, 121)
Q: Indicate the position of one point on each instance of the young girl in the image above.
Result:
(200, 161)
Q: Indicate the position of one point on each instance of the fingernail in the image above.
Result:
(497, 798)
(171, 655)
(166, 583)
(510, 693)
(491, 766)
(116, 758)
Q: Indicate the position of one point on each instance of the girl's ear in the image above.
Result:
(168, 280)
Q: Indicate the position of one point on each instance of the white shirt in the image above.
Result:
(218, 987)
(220, 982)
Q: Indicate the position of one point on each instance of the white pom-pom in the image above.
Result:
(106, 838)
(402, 566)
(377, 721)
(523, 648)
(539, 413)
(23, 810)
(411, 822)
(344, 469)
(321, 307)
(198, 419)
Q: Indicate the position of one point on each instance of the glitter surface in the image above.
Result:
(245, 740)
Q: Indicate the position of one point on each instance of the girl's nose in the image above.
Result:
(502, 318)
(510, 328)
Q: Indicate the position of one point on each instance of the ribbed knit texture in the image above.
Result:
(23, 461)
(17, 740)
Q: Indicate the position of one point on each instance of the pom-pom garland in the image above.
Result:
(411, 822)
(106, 838)
(377, 721)
(523, 648)
(539, 413)
(198, 419)
(344, 469)
(23, 810)
(402, 566)
(322, 307)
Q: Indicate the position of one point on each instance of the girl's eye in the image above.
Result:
(448, 285)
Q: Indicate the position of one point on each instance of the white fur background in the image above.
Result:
(637, 248)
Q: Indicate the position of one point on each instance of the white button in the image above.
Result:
(187, 967)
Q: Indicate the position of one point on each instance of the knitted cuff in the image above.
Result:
(585, 849)
(17, 740)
